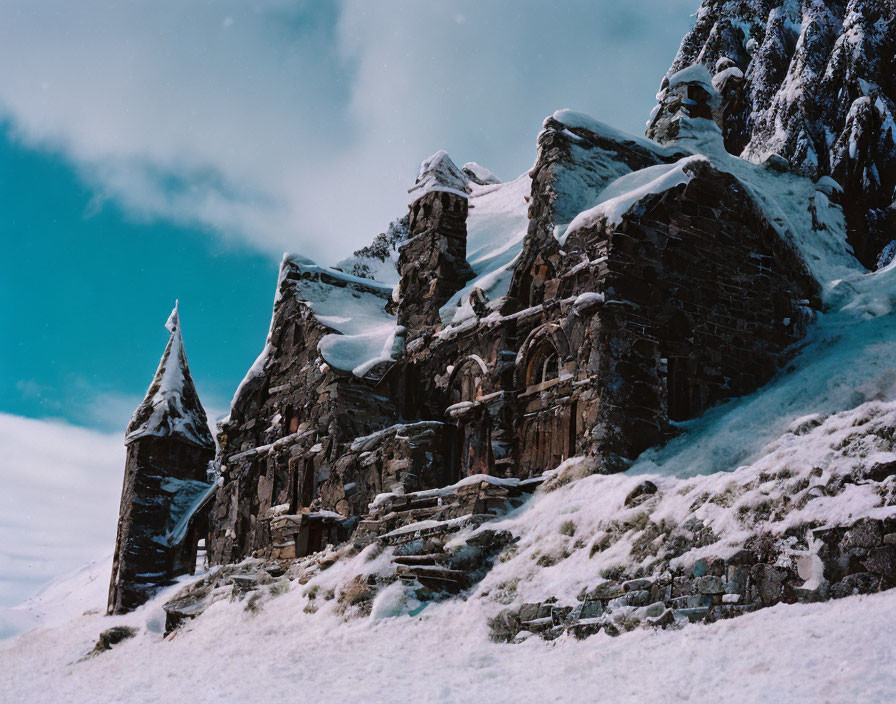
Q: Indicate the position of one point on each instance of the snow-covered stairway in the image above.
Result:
(392, 514)
(424, 555)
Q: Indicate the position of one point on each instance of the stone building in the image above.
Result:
(169, 448)
(620, 286)
(497, 329)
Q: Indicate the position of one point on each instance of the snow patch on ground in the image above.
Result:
(836, 651)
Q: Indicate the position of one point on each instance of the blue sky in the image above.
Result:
(171, 149)
(153, 151)
(84, 295)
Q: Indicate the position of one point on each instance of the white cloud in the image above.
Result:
(60, 488)
(299, 125)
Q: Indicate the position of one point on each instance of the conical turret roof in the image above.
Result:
(171, 407)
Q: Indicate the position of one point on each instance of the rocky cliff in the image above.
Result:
(814, 82)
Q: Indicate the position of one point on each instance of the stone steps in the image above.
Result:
(432, 575)
(415, 560)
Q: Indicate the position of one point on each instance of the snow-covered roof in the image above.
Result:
(353, 307)
(439, 173)
(171, 407)
(498, 218)
(365, 334)
(579, 120)
(795, 206)
(619, 197)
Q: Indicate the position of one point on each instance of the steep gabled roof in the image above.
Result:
(171, 407)
(354, 308)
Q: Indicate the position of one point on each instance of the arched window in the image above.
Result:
(543, 364)
(467, 381)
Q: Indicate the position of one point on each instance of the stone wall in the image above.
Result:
(160, 473)
(288, 426)
(703, 298)
(847, 560)
(432, 261)
(411, 456)
(574, 165)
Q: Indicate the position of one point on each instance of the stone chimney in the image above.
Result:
(433, 260)
(690, 94)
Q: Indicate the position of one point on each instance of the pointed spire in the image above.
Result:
(173, 322)
(171, 407)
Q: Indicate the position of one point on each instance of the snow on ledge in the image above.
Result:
(620, 196)
(694, 74)
(381, 499)
(578, 120)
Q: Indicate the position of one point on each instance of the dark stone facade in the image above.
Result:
(289, 427)
(164, 500)
(433, 260)
(605, 337)
(161, 474)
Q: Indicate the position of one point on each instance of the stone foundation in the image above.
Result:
(858, 559)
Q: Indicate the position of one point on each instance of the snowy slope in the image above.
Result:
(496, 227)
(813, 475)
(834, 652)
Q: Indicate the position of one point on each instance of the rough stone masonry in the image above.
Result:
(613, 324)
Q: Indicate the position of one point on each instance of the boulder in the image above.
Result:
(112, 636)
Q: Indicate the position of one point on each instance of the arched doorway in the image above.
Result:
(468, 383)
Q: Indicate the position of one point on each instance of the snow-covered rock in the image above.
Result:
(477, 173)
(817, 89)
(439, 173)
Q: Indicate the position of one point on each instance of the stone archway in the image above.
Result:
(468, 383)
(547, 433)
